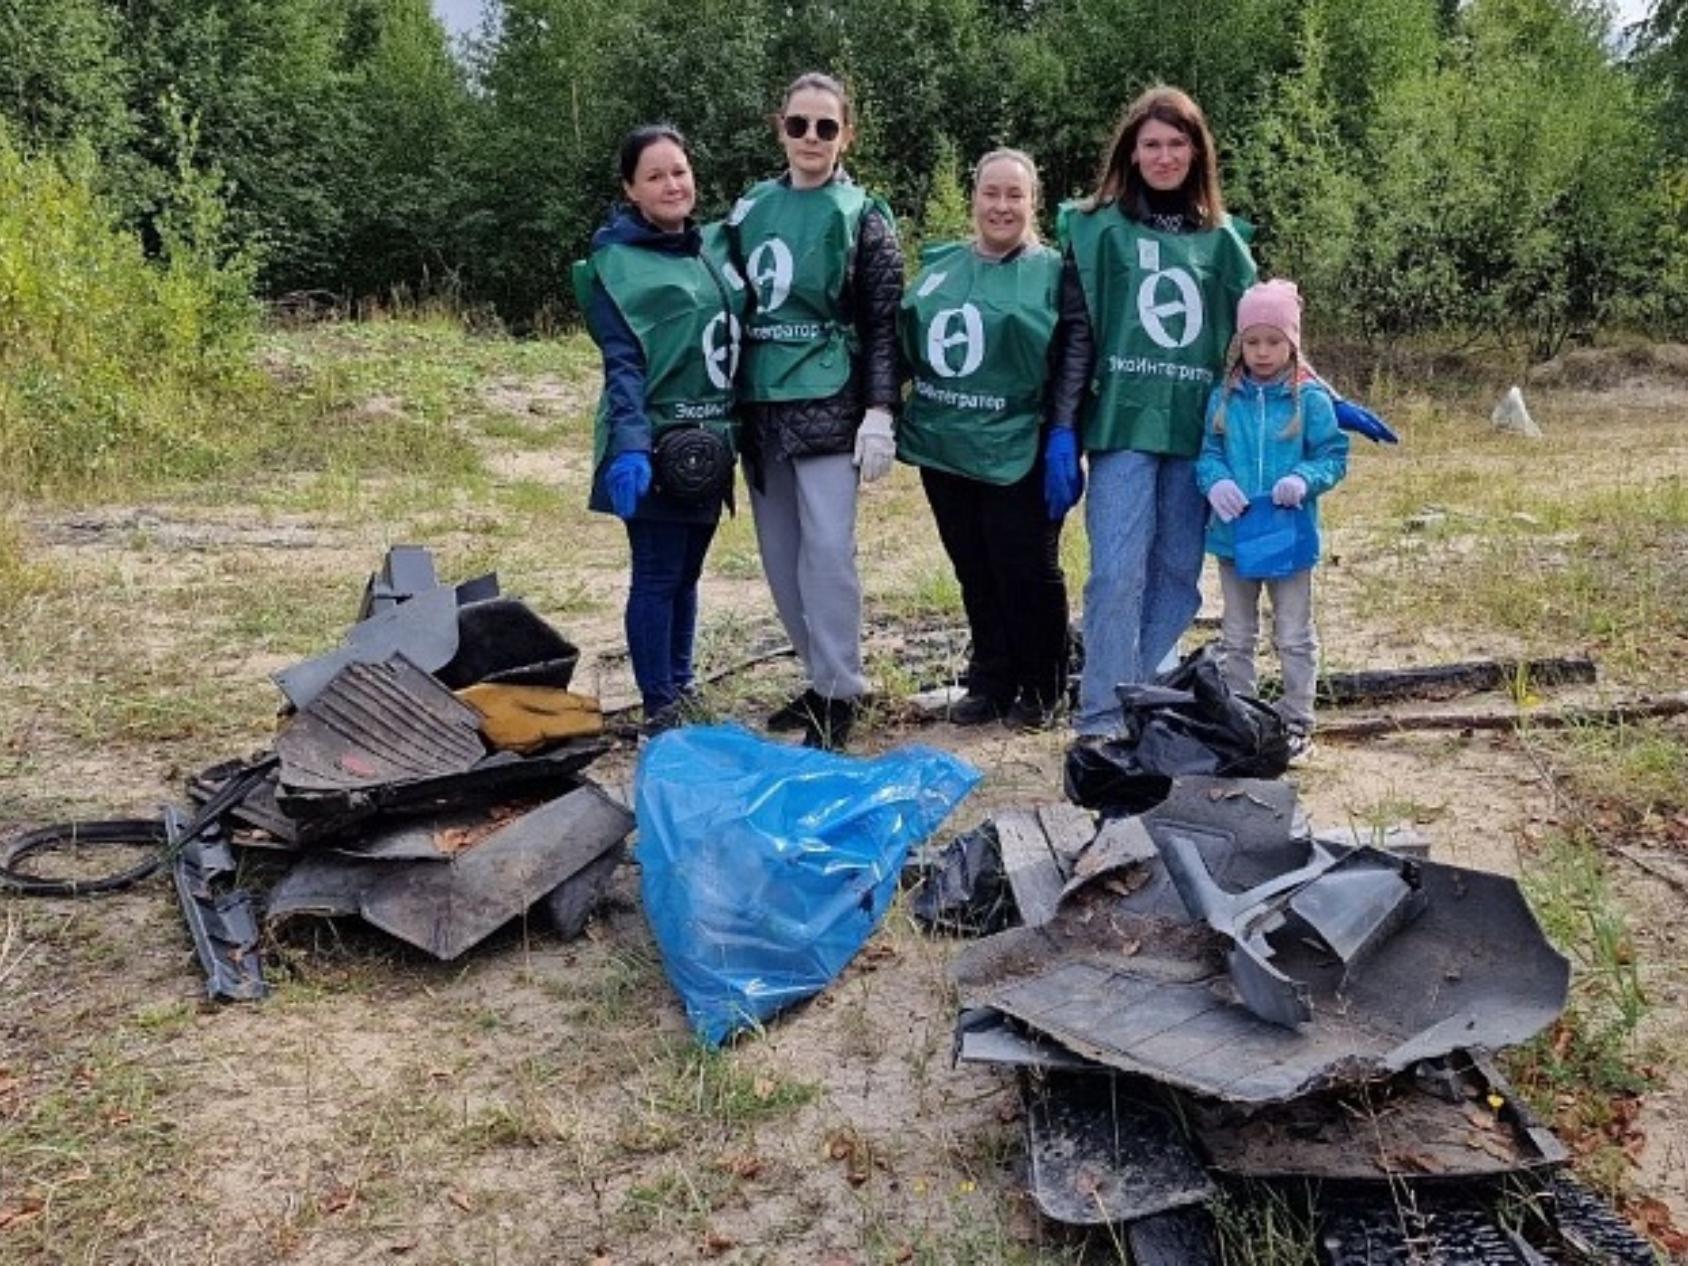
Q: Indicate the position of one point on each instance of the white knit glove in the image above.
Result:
(1227, 500)
(876, 445)
(1289, 491)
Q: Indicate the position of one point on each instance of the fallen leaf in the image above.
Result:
(400, 1247)
(340, 1198)
(1130, 947)
(460, 1199)
(905, 1253)
(740, 1164)
(717, 1242)
(764, 1088)
(19, 1214)
(1416, 1162)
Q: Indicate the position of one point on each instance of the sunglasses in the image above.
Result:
(797, 127)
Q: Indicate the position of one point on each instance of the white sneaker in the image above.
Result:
(1300, 748)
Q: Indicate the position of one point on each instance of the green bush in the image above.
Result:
(114, 367)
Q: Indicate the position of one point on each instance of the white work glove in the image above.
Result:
(1289, 491)
(876, 446)
(1227, 500)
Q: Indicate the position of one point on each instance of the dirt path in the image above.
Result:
(540, 1101)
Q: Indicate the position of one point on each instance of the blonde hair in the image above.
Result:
(1234, 368)
(1004, 154)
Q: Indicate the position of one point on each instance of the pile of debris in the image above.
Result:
(1210, 1006)
(426, 777)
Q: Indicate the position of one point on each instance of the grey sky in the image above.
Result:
(458, 15)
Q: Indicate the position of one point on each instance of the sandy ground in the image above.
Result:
(539, 1101)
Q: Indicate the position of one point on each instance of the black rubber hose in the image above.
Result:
(132, 831)
(120, 831)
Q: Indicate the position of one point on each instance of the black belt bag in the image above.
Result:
(692, 464)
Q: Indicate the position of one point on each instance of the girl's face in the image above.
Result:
(662, 186)
(1002, 206)
(813, 133)
(1266, 352)
(1163, 154)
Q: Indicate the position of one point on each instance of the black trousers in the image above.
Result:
(1007, 556)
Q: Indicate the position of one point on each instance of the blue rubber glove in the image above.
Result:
(1362, 421)
(628, 479)
(1063, 478)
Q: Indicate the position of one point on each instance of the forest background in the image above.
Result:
(1512, 172)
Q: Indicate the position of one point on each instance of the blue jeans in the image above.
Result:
(662, 605)
(1145, 517)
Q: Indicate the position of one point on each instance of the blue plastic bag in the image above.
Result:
(766, 867)
(1271, 541)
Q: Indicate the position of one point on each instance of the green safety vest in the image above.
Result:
(687, 313)
(975, 333)
(1163, 307)
(795, 248)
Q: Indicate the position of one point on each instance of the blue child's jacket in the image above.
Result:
(1254, 452)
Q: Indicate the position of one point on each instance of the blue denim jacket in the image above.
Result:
(1255, 453)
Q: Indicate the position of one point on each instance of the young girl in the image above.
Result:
(1271, 440)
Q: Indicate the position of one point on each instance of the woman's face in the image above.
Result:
(813, 133)
(662, 186)
(1002, 205)
(1163, 154)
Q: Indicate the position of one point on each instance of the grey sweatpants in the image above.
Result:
(1293, 636)
(806, 532)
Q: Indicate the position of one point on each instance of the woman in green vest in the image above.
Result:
(994, 345)
(1162, 268)
(665, 306)
(825, 274)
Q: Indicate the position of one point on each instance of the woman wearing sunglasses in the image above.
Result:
(1162, 267)
(996, 342)
(665, 306)
(824, 271)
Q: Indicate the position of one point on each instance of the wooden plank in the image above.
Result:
(1032, 870)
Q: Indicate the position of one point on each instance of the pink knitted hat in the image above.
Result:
(1273, 303)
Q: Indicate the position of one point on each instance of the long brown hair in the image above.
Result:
(1119, 179)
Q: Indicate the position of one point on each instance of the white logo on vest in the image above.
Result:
(971, 335)
(1152, 310)
(770, 269)
(720, 359)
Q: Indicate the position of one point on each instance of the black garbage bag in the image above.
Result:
(965, 890)
(1186, 722)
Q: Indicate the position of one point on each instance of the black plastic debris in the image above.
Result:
(373, 725)
(408, 571)
(1099, 1155)
(504, 640)
(1188, 722)
(571, 903)
(1433, 1124)
(423, 630)
(1123, 976)
(1351, 904)
(223, 924)
(965, 890)
(445, 908)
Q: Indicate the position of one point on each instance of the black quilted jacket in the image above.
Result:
(805, 428)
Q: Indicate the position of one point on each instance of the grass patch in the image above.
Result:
(1640, 769)
(85, 1148)
(21, 577)
(1584, 1072)
(1601, 570)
